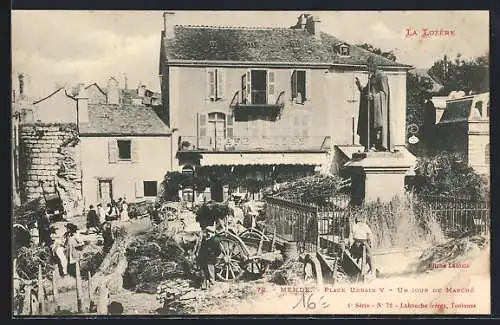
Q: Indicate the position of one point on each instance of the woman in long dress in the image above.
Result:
(124, 211)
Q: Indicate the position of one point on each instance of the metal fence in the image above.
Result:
(310, 226)
(460, 215)
(322, 227)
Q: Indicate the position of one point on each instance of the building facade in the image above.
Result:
(125, 151)
(465, 128)
(266, 100)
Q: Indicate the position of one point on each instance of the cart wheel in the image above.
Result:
(256, 267)
(253, 234)
(229, 265)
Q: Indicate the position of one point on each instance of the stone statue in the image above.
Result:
(374, 121)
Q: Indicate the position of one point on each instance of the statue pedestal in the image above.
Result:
(383, 173)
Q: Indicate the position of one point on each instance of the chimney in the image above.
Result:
(168, 24)
(21, 85)
(313, 26)
(83, 105)
(113, 91)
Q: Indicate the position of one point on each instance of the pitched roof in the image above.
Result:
(52, 94)
(131, 120)
(436, 86)
(209, 43)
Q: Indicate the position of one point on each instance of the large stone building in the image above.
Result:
(263, 101)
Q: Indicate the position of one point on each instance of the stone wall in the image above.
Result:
(50, 153)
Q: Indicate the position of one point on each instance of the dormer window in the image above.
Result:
(344, 50)
(251, 44)
(213, 44)
(294, 43)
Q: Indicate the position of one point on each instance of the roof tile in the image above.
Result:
(106, 119)
(271, 45)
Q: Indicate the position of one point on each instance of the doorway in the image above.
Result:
(105, 190)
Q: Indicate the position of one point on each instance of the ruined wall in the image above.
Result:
(50, 153)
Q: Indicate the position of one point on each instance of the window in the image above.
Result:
(215, 84)
(301, 124)
(299, 86)
(344, 50)
(258, 87)
(150, 188)
(124, 149)
(487, 109)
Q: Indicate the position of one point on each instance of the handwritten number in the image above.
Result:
(308, 304)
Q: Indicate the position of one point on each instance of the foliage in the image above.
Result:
(316, 189)
(388, 54)
(90, 262)
(210, 212)
(152, 258)
(29, 212)
(448, 174)
(460, 74)
(399, 223)
(28, 260)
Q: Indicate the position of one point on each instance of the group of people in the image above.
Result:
(115, 210)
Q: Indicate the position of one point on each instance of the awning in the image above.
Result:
(237, 159)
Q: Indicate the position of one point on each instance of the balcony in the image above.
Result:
(259, 103)
(254, 144)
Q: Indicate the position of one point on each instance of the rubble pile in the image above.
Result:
(452, 251)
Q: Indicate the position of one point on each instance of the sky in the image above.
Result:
(53, 48)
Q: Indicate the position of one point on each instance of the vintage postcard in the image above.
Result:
(250, 162)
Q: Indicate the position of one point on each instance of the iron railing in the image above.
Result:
(254, 143)
(323, 227)
(460, 215)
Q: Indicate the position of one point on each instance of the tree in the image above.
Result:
(448, 173)
(388, 54)
(460, 74)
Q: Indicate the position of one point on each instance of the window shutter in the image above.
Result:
(139, 189)
(294, 84)
(211, 83)
(221, 83)
(244, 88)
(202, 125)
(229, 125)
(112, 151)
(308, 88)
(249, 86)
(134, 151)
(270, 87)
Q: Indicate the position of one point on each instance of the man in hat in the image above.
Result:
(374, 120)
(361, 236)
(72, 244)
(207, 255)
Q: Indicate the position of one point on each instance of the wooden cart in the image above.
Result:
(249, 252)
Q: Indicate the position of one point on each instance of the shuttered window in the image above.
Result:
(202, 125)
(299, 85)
(216, 84)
